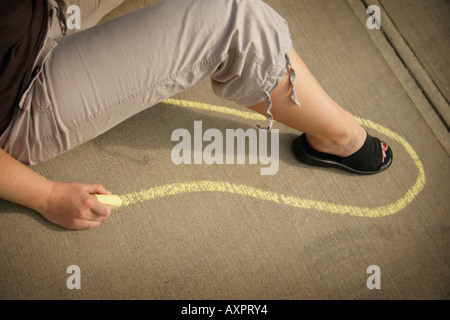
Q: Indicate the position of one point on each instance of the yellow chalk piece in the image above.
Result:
(112, 200)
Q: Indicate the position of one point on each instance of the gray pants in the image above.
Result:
(87, 82)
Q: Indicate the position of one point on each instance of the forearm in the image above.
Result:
(67, 204)
(21, 185)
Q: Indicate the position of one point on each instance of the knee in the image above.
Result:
(257, 41)
(232, 11)
(221, 10)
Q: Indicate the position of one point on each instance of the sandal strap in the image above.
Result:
(368, 158)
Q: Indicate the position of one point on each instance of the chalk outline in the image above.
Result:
(245, 190)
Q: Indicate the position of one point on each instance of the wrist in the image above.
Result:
(40, 201)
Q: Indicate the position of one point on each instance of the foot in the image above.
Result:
(372, 157)
(344, 147)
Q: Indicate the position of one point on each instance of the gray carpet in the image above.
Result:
(304, 233)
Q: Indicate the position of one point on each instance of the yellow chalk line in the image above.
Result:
(217, 109)
(244, 190)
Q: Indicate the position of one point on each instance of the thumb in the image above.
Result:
(95, 189)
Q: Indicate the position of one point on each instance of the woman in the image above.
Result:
(61, 87)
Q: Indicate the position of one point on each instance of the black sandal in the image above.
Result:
(367, 160)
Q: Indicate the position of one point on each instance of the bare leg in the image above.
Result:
(329, 128)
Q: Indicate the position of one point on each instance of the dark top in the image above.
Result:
(23, 26)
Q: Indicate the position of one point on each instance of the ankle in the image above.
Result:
(342, 144)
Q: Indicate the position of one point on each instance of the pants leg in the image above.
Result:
(96, 78)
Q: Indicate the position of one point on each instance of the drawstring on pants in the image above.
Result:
(293, 94)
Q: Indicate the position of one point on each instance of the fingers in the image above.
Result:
(91, 224)
(99, 210)
(88, 218)
(83, 225)
(84, 221)
(94, 211)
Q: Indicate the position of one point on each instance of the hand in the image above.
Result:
(72, 206)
